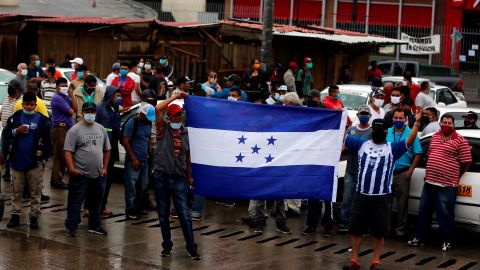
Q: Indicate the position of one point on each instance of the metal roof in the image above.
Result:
(185, 24)
(91, 20)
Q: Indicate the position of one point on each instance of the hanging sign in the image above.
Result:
(420, 45)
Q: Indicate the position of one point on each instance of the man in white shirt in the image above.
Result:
(423, 99)
(376, 104)
(137, 79)
(114, 74)
(430, 119)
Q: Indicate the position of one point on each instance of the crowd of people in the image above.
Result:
(78, 125)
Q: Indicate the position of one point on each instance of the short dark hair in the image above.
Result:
(424, 85)
(398, 89)
(32, 86)
(51, 70)
(407, 101)
(61, 80)
(90, 79)
(50, 61)
(399, 111)
(407, 75)
(433, 110)
(32, 56)
(12, 88)
(447, 115)
(29, 97)
(332, 88)
(237, 91)
(125, 64)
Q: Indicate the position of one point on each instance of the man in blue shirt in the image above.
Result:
(136, 141)
(35, 71)
(28, 135)
(231, 82)
(403, 169)
(371, 204)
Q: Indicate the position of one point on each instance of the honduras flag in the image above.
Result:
(253, 151)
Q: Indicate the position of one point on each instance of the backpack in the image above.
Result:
(135, 127)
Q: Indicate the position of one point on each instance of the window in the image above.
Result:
(412, 68)
(385, 69)
(398, 69)
(445, 96)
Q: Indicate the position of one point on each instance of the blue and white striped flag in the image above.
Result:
(253, 151)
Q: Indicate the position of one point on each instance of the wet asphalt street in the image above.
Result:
(224, 243)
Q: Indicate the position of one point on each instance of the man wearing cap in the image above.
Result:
(470, 120)
(108, 115)
(376, 104)
(82, 72)
(289, 76)
(115, 73)
(88, 91)
(183, 84)
(314, 100)
(371, 204)
(136, 141)
(76, 63)
(125, 84)
(277, 93)
(403, 168)
(363, 130)
(87, 152)
(172, 176)
(304, 78)
(231, 82)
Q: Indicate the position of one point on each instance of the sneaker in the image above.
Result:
(259, 228)
(229, 204)
(14, 221)
(352, 265)
(33, 222)
(131, 217)
(282, 228)
(44, 198)
(194, 255)
(342, 228)
(220, 203)
(415, 242)
(173, 215)
(376, 266)
(309, 230)
(72, 232)
(446, 246)
(197, 217)
(99, 231)
(166, 253)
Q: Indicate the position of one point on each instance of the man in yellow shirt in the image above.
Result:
(41, 108)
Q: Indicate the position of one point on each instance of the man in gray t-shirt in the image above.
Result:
(87, 152)
(423, 99)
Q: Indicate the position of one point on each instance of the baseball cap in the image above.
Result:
(89, 106)
(77, 60)
(315, 93)
(377, 92)
(283, 88)
(148, 94)
(379, 123)
(174, 109)
(470, 115)
(232, 78)
(307, 60)
(293, 65)
(116, 66)
(364, 109)
(184, 79)
(148, 110)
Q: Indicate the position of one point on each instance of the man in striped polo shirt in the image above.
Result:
(372, 201)
(449, 157)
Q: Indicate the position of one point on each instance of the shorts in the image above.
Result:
(370, 214)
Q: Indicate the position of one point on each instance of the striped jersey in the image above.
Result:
(375, 164)
(7, 109)
(48, 89)
(445, 159)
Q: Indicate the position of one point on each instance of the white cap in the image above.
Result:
(283, 88)
(77, 60)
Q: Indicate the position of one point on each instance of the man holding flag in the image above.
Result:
(371, 205)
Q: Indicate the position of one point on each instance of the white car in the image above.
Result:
(399, 79)
(5, 77)
(467, 208)
(68, 72)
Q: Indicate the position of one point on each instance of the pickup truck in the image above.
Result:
(436, 73)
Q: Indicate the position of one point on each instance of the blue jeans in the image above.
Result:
(198, 203)
(133, 199)
(79, 188)
(350, 182)
(439, 199)
(167, 187)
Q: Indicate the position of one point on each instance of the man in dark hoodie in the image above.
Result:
(108, 116)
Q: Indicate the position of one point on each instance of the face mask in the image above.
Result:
(468, 124)
(425, 120)
(73, 66)
(363, 119)
(162, 62)
(119, 101)
(310, 65)
(141, 65)
(277, 96)
(80, 75)
(148, 66)
(139, 71)
(398, 124)
(405, 83)
(24, 72)
(447, 130)
(175, 125)
(64, 90)
(282, 98)
(395, 100)
(123, 72)
(256, 66)
(232, 98)
(89, 117)
(379, 137)
(213, 85)
(37, 63)
(29, 113)
(379, 102)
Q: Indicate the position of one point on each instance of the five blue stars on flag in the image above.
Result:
(256, 149)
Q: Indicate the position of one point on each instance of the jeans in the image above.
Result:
(167, 187)
(260, 215)
(133, 199)
(108, 185)
(79, 188)
(439, 199)
(314, 212)
(198, 203)
(350, 182)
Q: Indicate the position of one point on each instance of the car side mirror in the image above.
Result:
(441, 104)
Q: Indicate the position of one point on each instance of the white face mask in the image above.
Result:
(405, 83)
(395, 100)
(232, 98)
(379, 102)
(141, 64)
(73, 66)
(282, 98)
(148, 66)
(64, 90)
(139, 71)
(24, 72)
(89, 117)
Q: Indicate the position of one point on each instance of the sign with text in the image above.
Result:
(420, 45)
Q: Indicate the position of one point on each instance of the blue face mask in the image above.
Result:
(29, 113)
(80, 74)
(162, 61)
(123, 72)
(398, 124)
(37, 63)
(119, 101)
(175, 125)
(363, 119)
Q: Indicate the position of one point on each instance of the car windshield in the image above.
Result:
(6, 76)
(459, 119)
(351, 100)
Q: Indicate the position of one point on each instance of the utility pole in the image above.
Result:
(267, 35)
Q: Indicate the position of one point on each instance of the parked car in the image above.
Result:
(467, 207)
(457, 113)
(5, 77)
(68, 72)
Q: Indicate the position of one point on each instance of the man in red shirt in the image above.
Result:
(414, 88)
(125, 84)
(332, 101)
(448, 159)
(374, 74)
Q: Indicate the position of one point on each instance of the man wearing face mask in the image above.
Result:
(126, 85)
(362, 129)
(423, 99)
(314, 101)
(430, 121)
(35, 71)
(470, 120)
(403, 169)
(40, 107)
(231, 82)
(235, 95)
(449, 157)
(147, 74)
(333, 102)
(87, 152)
(115, 73)
(376, 103)
(89, 92)
(395, 100)
(21, 77)
(371, 206)
(76, 64)
(134, 74)
(82, 72)
(304, 78)
(63, 111)
(166, 66)
(172, 173)
(108, 115)
(255, 79)
(277, 93)
(28, 135)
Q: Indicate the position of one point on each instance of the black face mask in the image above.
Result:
(312, 103)
(379, 137)
(425, 120)
(468, 124)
